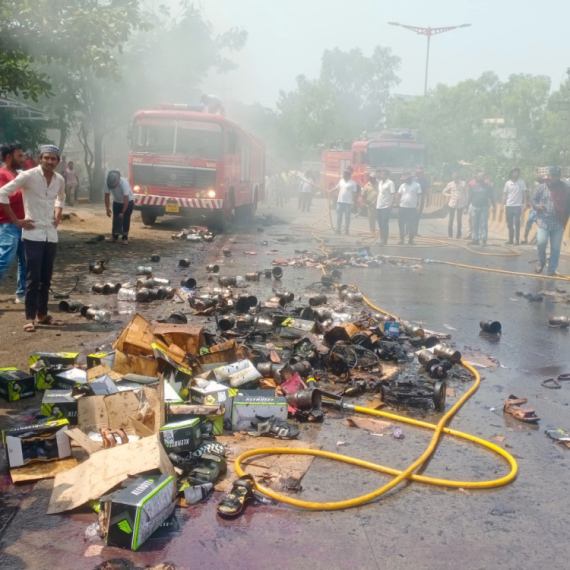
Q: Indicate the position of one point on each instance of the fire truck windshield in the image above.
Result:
(397, 155)
(189, 138)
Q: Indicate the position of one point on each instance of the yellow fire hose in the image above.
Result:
(399, 476)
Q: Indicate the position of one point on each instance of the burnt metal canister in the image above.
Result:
(431, 341)
(336, 274)
(268, 273)
(305, 400)
(184, 263)
(444, 352)
(414, 330)
(145, 283)
(322, 313)
(110, 288)
(70, 306)
(161, 281)
(97, 288)
(427, 359)
(227, 280)
(226, 323)
(144, 270)
(277, 272)
(287, 295)
(317, 300)
(353, 297)
(190, 283)
(253, 276)
(227, 252)
(493, 327)
(560, 322)
(143, 295)
(268, 369)
(155, 258)
(212, 268)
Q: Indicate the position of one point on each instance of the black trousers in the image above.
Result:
(126, 226)
(40, 257)
(459, 221)
(408, 222)
(514, 222)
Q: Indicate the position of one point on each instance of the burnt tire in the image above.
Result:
(148, 218)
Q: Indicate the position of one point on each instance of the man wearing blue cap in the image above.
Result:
(551, 201)
(43, 191)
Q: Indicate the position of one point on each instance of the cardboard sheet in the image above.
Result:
(188, 338)
(105, 470)
(38, 471)
(136, 338)
(275, 471)
(134, 364)
(114, 411)
(84, 441)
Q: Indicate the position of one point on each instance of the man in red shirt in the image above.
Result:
(11, 244)
(30, 161)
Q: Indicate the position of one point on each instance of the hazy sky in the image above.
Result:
(288, 37)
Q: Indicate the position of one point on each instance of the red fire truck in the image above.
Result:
(202, 166)
(394, 149)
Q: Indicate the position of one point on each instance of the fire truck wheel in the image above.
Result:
(148, 219)
(219, 222)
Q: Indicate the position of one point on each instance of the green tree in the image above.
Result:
(349, 96)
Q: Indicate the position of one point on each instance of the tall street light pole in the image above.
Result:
(429, 32)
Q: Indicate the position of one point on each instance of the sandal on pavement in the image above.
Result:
(30, 327)
(551, 383)
(273, 427)
(512, 407)
(50, 321)
(234, 502)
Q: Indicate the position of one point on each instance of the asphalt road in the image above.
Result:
(520, 526)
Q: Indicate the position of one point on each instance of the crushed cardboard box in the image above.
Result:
(105, 470)
(136, 338)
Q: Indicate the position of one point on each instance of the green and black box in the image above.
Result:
(98, 358)
(61, 404)
(181, 436)
(16, 385)
(55, 362)
(137, 511)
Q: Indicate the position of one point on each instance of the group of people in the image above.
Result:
(31, 204)
(379, 196)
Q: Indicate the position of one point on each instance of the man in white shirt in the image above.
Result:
(410, 201)
(514, 195)
(347, 190)
(43, 191)
(384, 203)
(123, 204)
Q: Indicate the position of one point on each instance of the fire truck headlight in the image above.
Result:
(211, 193)
(136, 188)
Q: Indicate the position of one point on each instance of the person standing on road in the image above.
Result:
(123, 204)
(384, 204)
(11, 244)
(43, 190)
(456, 191)
(71, 183)
(422, 179)
(347, 190)
(370, 197)
(515, 195)
(551, 201)
(410, 193)
(306, 193)
(481, 196)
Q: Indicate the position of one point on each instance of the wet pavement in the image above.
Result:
(522, 525)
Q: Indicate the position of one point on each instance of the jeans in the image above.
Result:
(126, 225)
(514, 222)
(452, 212)
(479, 224)
(531, 220)
(40, 257)
(384, 223)
(371, 211)
(343, 209)
(11, 245)
(408, 223)
(555, 236)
